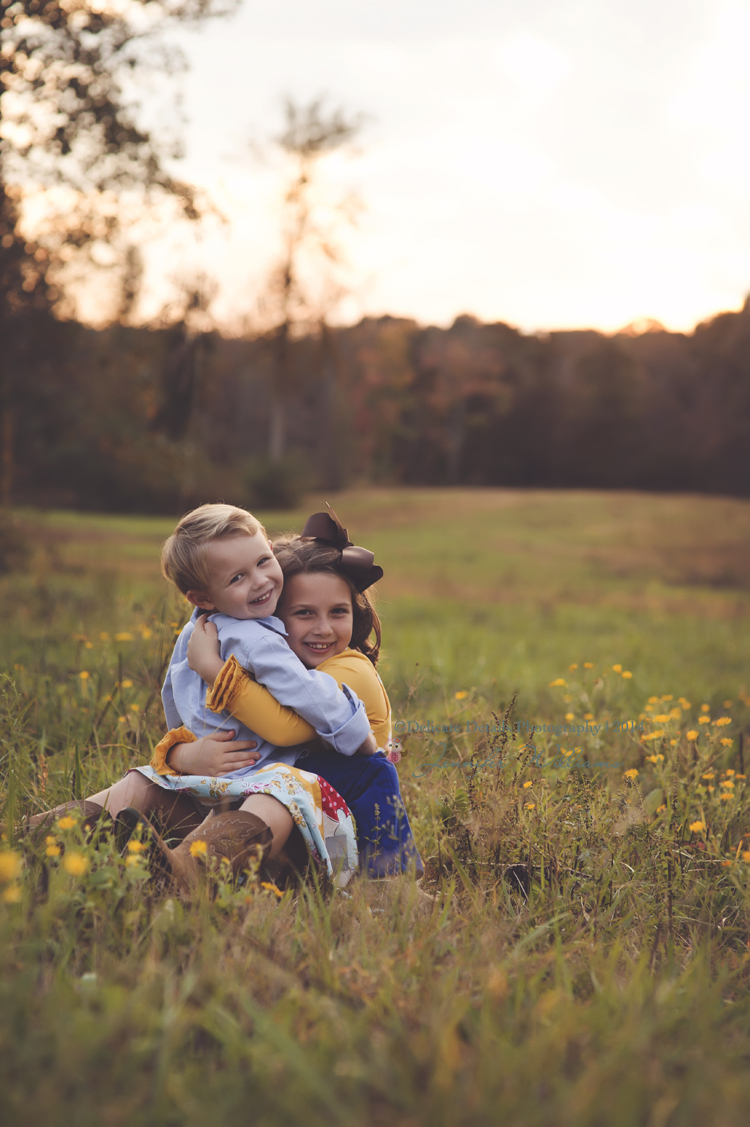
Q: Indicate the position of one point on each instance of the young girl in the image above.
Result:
(329, 620)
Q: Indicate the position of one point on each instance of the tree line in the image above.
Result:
(157, 419)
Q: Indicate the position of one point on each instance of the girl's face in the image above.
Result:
(317, 612)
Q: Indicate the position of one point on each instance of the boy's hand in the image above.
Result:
(369, 747)
(203, 650)
(213, 755)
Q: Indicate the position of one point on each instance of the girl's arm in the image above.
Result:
(180, 753)
(258, 711)
(233, 691)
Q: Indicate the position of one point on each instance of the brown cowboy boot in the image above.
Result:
(237, 836)
(94, 816)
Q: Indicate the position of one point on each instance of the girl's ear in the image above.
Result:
(200, 599)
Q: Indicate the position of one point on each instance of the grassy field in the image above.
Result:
(615, 994)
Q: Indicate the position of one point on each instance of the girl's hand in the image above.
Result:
(203, 652)
(213, 755)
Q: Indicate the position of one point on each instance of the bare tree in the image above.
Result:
(306, 284)
(70, 133)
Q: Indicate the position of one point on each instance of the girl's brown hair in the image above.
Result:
(307, 557)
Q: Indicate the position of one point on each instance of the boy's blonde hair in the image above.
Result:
(183, 557)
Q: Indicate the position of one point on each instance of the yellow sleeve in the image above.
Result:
(165, 745)
(357, 671)
(235, 692)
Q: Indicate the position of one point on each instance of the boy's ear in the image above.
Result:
(200, 599)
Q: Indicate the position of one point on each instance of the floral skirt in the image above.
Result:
(323, 818)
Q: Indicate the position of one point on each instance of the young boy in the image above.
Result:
(220, 559)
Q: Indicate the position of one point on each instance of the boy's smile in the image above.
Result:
(246, 579)
(317, 612)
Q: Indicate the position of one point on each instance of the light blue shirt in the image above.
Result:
(258, 644)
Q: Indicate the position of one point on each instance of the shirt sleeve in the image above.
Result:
(336, 714)
(174, 720)
(253, 705)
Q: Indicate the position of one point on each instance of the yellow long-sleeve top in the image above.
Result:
(252, 704)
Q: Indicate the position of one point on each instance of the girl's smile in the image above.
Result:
(317, 612)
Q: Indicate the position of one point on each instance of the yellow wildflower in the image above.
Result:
(570, 715)
(461, 694)
(726, 742)
(726, 704)
(530, 805)
(626, 676)
(723, 721)
(667, 696)
(617, 668)
(746, 856)
(198, 849)
(684, 703)
(75, 864)
(136, 846)
(725, 864)
(527, 785)
(653, 700)
(573, 666)
(588, 665)
(12, 894)
(673, 743)
(271, 888)
(84, 675)
(675, 713)
(52, 851)
(704, 719)
(133, 860)
(654, 758)
(124, 636)
(705, 708)
(649, 708)
(740, 776)
(711, 788)
(727, 783)
(709, 775)
(661, 809)
(104, 636)
(146, 633)
(728, 771)
(631, 774)
(692, 734)
(654, 735)
(663, 718)
(555, 684)
(697, 827)
(588, 716)
(10, 865)
(67, 822)
(727, 796)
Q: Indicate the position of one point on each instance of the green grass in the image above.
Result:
(615, 995)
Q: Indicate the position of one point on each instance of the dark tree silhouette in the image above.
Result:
(69, 128)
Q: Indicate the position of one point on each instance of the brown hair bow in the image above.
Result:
(358, 563)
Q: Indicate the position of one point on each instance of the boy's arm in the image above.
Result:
(336, 714)
(235, 692)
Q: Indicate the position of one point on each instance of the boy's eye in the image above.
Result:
(234, 580)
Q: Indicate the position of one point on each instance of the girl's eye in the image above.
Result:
(263, 560)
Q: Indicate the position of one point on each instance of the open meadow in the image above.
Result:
(570, 673)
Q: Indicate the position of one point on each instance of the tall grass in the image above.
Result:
(578, 953)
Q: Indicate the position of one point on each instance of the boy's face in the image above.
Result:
(246, 579)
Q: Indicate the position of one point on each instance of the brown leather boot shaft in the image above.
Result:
(237, 836)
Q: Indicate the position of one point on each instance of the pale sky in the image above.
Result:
(547, 163)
